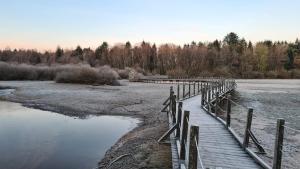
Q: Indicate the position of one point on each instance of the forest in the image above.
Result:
(230, 57)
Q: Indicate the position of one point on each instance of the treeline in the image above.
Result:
(232, 57)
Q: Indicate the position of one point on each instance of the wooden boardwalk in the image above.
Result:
(217, 146)
(200, 129)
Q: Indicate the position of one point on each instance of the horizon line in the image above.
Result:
(112, 44)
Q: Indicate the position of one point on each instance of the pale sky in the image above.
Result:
(45, 24)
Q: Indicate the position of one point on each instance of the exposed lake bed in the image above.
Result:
(271, 99)
(129, 100)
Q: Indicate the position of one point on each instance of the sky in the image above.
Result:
(46, 24)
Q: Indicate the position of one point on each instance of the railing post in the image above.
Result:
(209, 94)
(178, 90)
(278, 144)
(228, 118)
(174, 108)
(217, 103)
(194, 88)
(189, 89)
(220, 86)
(183, 90)
(248, 128)
(212, 90)
(198, 87)
(228, 84)
(202, 97)
(193, 152)
(171, 96)
(215, 86)
(201, 87)
(179, 115)
(183, 135)
(223, 86)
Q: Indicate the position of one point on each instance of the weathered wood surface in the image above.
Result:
(217, 146)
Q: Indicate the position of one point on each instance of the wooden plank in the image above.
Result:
(234, 155)
(228, 153)
(225, 163)
(232, 166)
(221, 146)
(219, 142)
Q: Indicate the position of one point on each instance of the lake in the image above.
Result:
(36, 139)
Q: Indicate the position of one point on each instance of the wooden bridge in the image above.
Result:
(200, 133)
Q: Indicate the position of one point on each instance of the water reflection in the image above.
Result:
(36, 139)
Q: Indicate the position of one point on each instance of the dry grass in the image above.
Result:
(135, 76)
(296, 74)
(176, 73)
(104, 75)
(107, 75)
(271, 74)
(25, 72)
(222, 71)
(61, 74)
(124, 73)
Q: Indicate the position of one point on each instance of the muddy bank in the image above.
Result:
(270, 99)
(137, 100)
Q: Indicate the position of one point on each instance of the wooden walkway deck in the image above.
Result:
(200, 130)
(217, 146)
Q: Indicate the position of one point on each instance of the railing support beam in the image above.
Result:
(228, 117)
(179, 116)
(278, 144)
(248, 128)
(193, 150)
(183, 135)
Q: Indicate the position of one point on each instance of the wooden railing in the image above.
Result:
(211, 103)
(177, 80)
(188, 149)
(215, 100)
(179, 124)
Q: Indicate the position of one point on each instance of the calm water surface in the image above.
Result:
(36, 139)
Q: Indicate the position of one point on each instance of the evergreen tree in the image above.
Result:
(153, 55)
(231, 39)
(268, 43)
(217, 45)
(250, 46)
(101, 52)
(59, 52)
(291, 56)
(78, 50)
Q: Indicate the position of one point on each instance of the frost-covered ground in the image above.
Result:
(270, 99)
(139, 100)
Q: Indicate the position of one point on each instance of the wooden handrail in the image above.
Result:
(212, 93)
